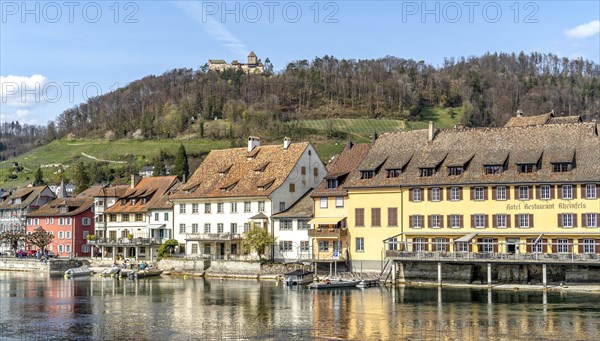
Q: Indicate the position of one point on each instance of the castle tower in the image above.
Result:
(252, 58)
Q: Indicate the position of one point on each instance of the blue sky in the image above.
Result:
(53, 55)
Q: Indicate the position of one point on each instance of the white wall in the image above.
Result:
(295, 236)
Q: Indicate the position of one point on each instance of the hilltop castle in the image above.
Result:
(254, 64)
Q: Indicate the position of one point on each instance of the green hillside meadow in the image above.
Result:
(329, 137)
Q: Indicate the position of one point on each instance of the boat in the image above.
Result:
(334, 283)
(367, 283)
(124, 273)
(145, 273)
(111, 272)
(298, 277)
(80, 271)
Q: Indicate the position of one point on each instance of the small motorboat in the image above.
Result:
(80, 271)
(124, 273)
(298, 277)
(367, 283)
(334, 283)
(113, 271)
(145, 273)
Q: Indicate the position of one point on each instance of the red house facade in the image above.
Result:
(70, 220)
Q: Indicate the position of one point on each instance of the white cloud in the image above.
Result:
(21, 91)
(215, 28)
(584, 30)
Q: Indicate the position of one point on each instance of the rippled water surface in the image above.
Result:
(39, 307)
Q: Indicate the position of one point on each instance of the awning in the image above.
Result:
(155, 226)
(466, 238)
(538, 239)
(325, 220)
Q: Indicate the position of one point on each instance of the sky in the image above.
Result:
(55, 55)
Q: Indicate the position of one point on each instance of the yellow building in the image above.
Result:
(328, 233)
(530, 188)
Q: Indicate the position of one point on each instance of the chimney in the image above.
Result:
(431, 131)
(374, 137)
(349, 145)
(519, 113)
(286, 142)
(134, 180)
(253, 142)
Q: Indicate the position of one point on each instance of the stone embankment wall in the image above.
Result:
(53, 266)
(501, 273)
(183, 265)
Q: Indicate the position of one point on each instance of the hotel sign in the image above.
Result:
(547, 206)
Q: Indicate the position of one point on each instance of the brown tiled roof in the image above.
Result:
(107, 191)
(152, 189)
(345, 163)
(75, 206)
(91, 191)
(565, 120)
(522, 121)
(206, 182)
(547, 143)
(27, 195)
(303, 208)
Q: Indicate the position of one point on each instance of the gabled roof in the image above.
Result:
(106, 191)
(208, 181)
(349, 160)
(150, 189)
(545, 143)
(27, 196)
(75, 206)
(303, 208)
(549, 118)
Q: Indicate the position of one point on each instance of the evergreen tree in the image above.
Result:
(182, 168)
(159, 167)
(39, 177)
(81, 178)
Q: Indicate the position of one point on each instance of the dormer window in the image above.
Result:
(527, 168)
(265, 185)
(493, 169)
(228, 187)
(63, 209)
(367, 174)
(332, 183)
(457, 170)
(562, 167)
(425, 172)
(133, 201)
(394, 173)
(223, 171)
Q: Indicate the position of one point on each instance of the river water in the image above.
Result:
(38, 307)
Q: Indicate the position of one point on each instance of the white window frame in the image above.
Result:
(194, 228)
(524, 222)
(545, 192)
(195, 208)
(479, 221)
(261, 206)
(166, 216)
(303, 224)
(182, 208)
(61, 248)
(567, 191)
(247, 207)
(286, 224)
(501, 193)
(85, 221)
(156, 216)
(417, 195)
(436, 194)
(419, 244)
(562, 245)
(591, 219)
(220, 207)
(68, 235)
(589, 245)
(417, 221)
(479, 193)
(524, 193)
(455, 221)
(323, 245)
(85, 234)
(207, 228)
(323, 202)
(487, 245)
(590, 191)
(233, 207)
(567, 220)
(220, 228)
(393, 244)
(537, 248)
(501, 221)
(436, 221)
(455, 193)
(207, 208)
(61, 235)
(360, 244)
(181, 228)
(339, 202)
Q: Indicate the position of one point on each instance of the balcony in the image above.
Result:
(225, 236)
(327, 233)
(126, 242)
